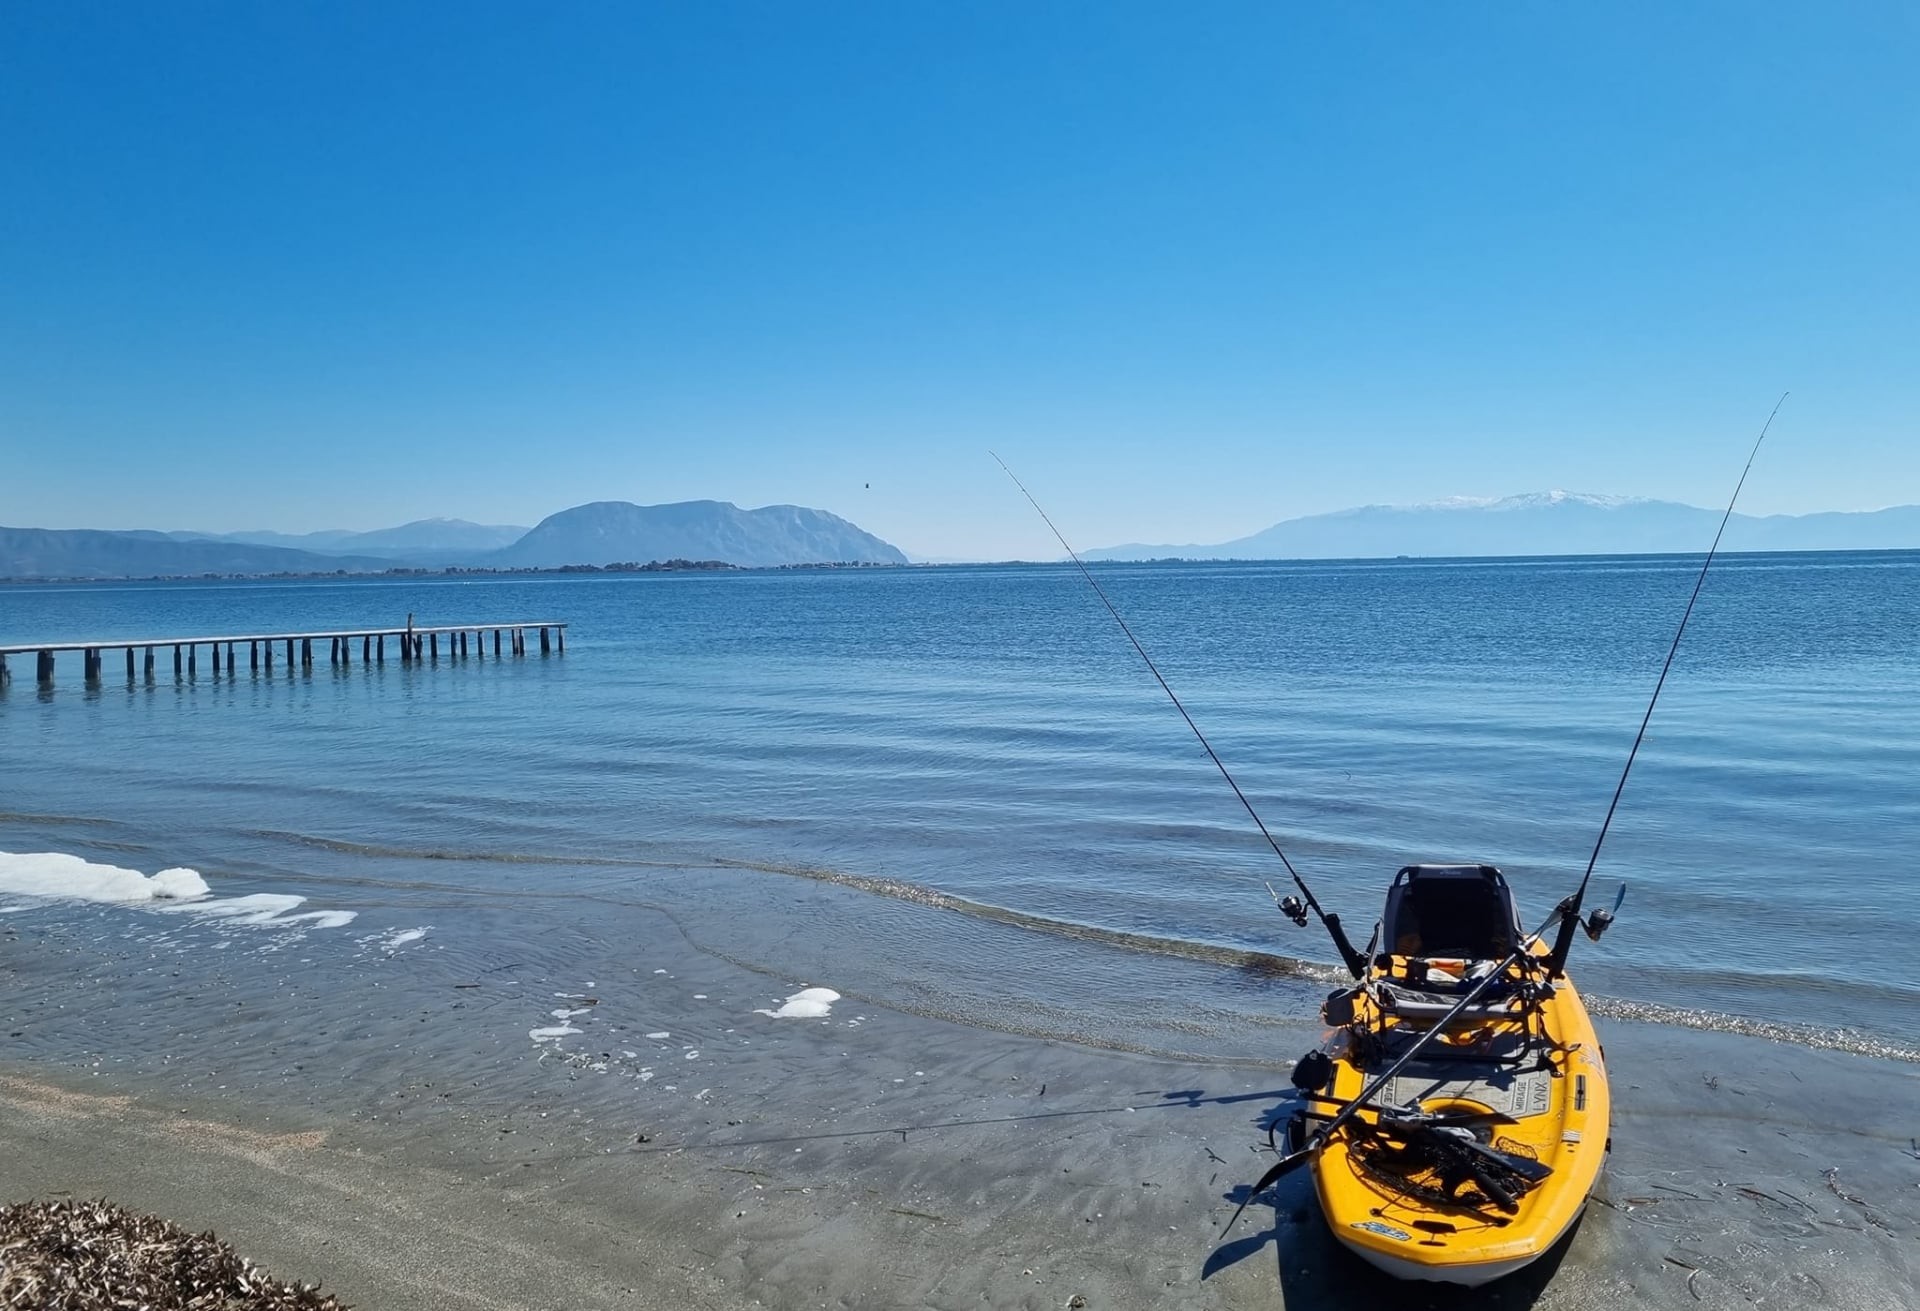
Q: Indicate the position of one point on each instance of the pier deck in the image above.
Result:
(411, 643)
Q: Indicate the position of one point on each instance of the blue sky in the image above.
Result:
(1189, 269)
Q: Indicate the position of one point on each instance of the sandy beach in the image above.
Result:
(408, 1142)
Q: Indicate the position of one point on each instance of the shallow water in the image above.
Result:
(956, 790)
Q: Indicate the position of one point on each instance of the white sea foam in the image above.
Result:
(402, 937)
(271, 909)
(807, 1004)
(57, 876)
(551, 1032)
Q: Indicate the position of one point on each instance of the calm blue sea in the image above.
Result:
(986, 733)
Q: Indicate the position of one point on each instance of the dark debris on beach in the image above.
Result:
(93, 1256)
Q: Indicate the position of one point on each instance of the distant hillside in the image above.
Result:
(695, 530)
(1543, 523)
(87, 553)
(423, 540)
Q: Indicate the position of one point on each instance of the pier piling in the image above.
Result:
(464, 642)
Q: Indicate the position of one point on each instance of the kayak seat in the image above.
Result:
(1462, 912)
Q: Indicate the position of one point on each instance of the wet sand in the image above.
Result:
(391, 1129)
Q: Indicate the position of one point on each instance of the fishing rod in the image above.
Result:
(1290, 906)
(1567, 912)
(1571, 906)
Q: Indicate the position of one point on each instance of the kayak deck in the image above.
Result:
(1524, 1081)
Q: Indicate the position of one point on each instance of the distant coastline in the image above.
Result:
(722, 566)
(455, 571)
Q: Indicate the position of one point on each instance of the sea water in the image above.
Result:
(1015, 825)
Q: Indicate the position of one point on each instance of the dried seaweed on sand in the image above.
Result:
(83, 1256)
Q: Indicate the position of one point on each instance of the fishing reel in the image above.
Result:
(1600, 919)
(1294, 909)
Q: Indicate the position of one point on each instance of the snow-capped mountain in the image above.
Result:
(1542, 523)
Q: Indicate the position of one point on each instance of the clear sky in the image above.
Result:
(1191, 269)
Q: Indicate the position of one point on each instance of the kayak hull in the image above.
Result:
(1469, 1276)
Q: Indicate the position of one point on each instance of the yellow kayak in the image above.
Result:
(1478, 1154)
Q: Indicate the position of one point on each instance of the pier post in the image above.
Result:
(333, 651)
(193, 656)
(229, 659)
(433, 645)
(253, 657)
(215, 648)
(546, 647)
(176, 660)
(560, 636)
(366, 650)
(148, 664)
(5, 677)
(269, 645)
(382, 649)
(306, 653)
(129, 664)
(496, 644)
(289, 655)
(43, 670)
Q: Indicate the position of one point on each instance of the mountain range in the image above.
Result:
(419, 542)
(93, 553)
(608, 532)
(1542, 523)
(605, 532)
(695, 530)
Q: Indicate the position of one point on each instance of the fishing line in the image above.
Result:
(1672, 651)
(1352, 958)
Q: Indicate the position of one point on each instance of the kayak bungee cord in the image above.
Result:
(1290, 906)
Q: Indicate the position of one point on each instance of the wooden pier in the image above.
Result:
(410, 644)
